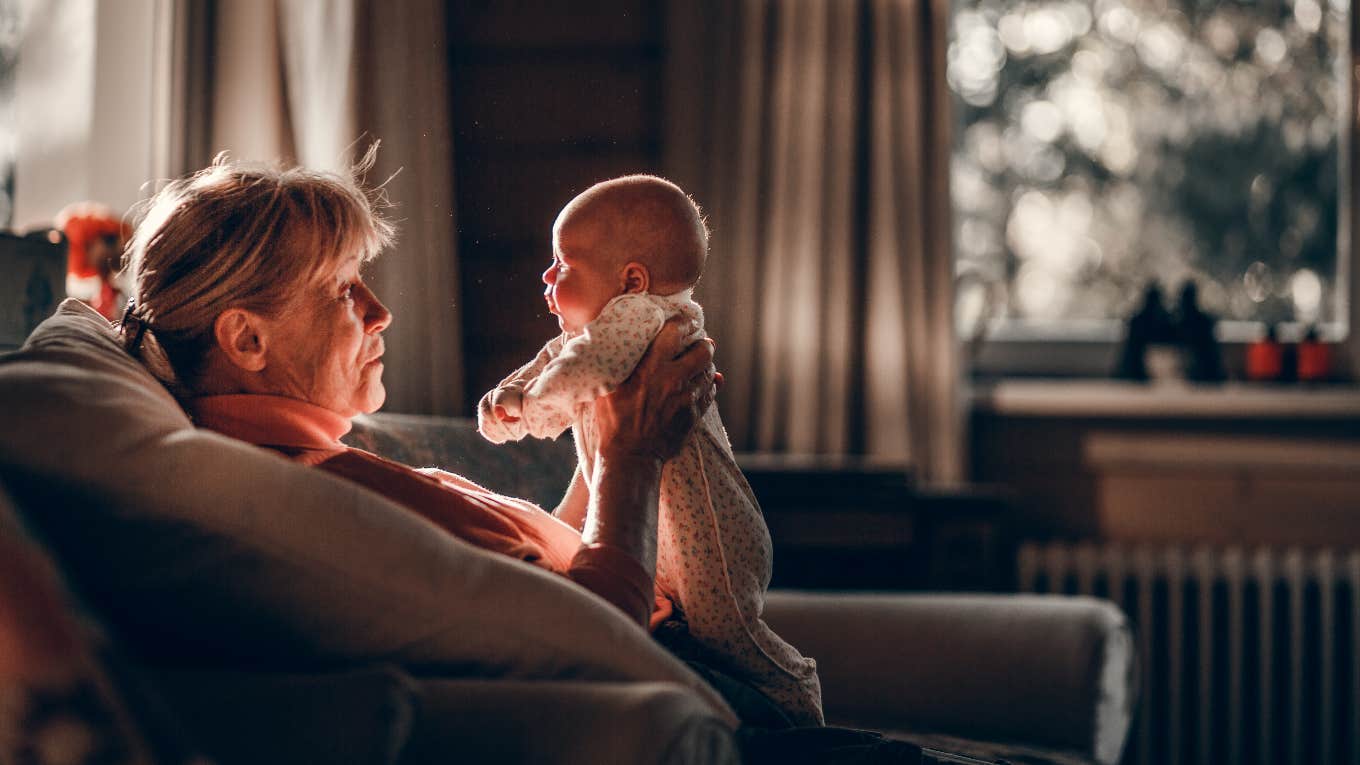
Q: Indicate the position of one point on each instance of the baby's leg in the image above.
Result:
(714, 551)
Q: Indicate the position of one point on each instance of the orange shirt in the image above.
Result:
(309, 434)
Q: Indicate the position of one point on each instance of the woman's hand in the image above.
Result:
(651, 413)
(643, 423)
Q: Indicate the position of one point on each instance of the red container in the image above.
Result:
(1315, 361)
(1265, 360)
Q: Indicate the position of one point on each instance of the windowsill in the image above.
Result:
(1116, 399)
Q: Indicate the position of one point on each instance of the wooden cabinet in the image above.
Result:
(1224, 465)
(847, 523)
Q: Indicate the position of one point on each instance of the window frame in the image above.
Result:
(1015, 348)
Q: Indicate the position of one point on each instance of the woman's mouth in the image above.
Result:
(377, 357)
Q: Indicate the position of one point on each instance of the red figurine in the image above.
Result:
(95, 237)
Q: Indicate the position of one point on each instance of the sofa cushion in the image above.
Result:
(534, 469)
(956, 664)
(201, 550)
(357, 717)
(64, 695)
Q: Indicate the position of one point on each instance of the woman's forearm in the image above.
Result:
(640, 425)
(572, 509)
(624, 506)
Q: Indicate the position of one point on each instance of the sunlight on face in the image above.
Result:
(326, 346)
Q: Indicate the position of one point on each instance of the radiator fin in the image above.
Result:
(1246, 656)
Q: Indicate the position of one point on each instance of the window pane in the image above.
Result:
(9, 59)
(1103, 145)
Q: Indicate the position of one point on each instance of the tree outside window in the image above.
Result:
(1102, 146)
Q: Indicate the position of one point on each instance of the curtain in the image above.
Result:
(316, 46)
(310, 81)
(404, 100)
(816, 135)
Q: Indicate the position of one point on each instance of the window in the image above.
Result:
(9, 59)
(1102, 145)
(85, 80)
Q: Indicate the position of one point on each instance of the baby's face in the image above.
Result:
(580, 283)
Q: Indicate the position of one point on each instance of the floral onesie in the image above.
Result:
(713, 549)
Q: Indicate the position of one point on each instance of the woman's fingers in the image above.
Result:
(653, 410)
(670, 341)
(703, 379)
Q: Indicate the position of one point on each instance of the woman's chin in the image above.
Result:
(373, 398)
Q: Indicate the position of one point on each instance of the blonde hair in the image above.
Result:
(237, 235)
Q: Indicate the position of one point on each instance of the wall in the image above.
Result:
(548, 98)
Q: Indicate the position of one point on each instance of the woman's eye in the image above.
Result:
(348, 294)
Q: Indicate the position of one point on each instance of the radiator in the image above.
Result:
(1246, 656)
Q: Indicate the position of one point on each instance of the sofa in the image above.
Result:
(236, 606)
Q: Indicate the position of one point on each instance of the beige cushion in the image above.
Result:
(204, 550)
(1050, 671)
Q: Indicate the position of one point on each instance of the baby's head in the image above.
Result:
(638, 233)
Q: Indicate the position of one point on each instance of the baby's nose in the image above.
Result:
(549, 274)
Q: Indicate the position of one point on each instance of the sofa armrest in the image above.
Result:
(565, 723)
(358, 717)
(1047, 671)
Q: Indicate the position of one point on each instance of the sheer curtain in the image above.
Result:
(815, 135)
(310, 80)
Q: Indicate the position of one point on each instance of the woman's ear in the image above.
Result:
(636, 278)
(240, 337)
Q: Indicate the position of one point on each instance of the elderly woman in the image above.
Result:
(248, 303)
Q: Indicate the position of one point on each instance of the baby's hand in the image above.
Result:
(508, 403)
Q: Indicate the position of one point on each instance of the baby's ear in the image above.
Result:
(635, 278)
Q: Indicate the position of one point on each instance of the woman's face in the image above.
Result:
(326, 346)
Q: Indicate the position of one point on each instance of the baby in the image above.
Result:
(626, 255)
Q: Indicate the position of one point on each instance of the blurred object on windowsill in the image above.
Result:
(32, 274)
(1194, 329)
(1313, 358)
(1149, 336)
(1162, 347)
(1309, 361)
(95, 235)
(1265, 357)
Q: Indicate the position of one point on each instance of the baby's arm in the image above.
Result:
(498, 413)
(592, 364)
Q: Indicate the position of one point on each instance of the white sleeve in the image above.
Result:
(496, 430)
(591, 364)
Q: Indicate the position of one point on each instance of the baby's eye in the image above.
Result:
(348, 292)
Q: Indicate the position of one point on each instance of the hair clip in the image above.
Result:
(131, 319)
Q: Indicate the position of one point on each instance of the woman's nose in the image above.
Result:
(550, 275)
(376, 317)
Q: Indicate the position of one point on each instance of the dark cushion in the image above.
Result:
(350, 718)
